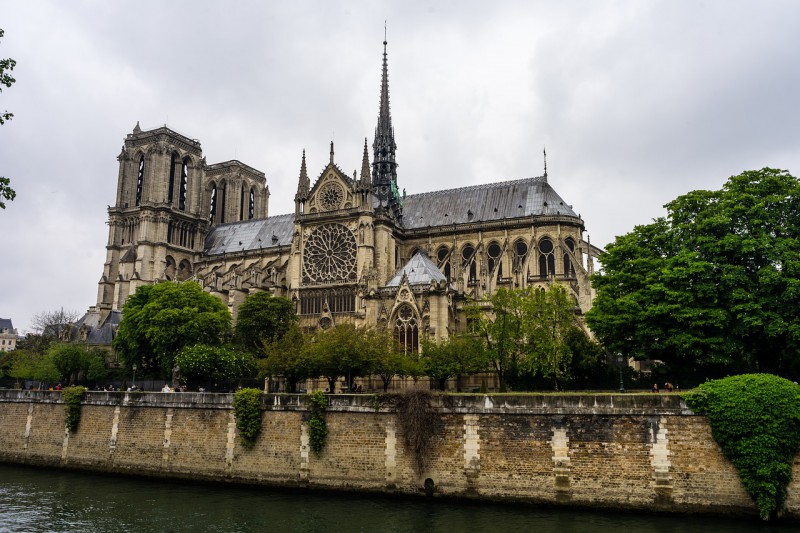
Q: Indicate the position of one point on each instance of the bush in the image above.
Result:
(72, 406)
(247, 409)
(755, 418)
(317, 426)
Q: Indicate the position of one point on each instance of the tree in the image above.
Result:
(714, 287)
(336, 352)
(75, 362)
(384, 358)
(215, 363)
(452, 357)
(524, 332)
(263, 317)
(285, 357)
(159, 320)
(57, 325)
(6, 66)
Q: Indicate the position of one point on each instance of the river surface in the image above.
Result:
(33, 499)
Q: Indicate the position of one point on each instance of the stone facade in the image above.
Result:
(622, 451)
(8, 335)
(356, 249)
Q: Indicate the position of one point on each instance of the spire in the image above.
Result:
(137, 129)
(545, 163)
(303, 184)
(384, 165)
(331, 152)
(365, 165)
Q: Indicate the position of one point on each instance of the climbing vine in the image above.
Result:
(417, 421)
(247, 409)
(317, 426)
(755, 418)
(72, 406)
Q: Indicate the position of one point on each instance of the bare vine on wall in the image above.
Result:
(417, 421)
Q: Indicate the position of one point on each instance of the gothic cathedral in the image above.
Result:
(355, 250)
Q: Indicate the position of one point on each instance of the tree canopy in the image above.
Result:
(263, 318)
(159, 320)
(6, 66)
(713, 288)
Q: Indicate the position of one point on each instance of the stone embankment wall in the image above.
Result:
(645, 452)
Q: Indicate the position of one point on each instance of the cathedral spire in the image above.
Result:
(303, 184)
(384, 165)
(544, 150)
(365, 165)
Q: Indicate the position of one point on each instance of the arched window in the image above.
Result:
(241, 204)
(184, 184)
(547, 259)
(212, 208)
(495, 261)
(140, 180)
(468, 262)
(569, 268)
(184, 270)
(173, 162)
(407, 329)
(251, 211)
(443, 255)
(520, 253)
(223, 204)
(170, 269)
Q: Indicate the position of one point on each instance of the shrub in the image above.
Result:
(317, 426)
(72, 406)
(247, 409)
(755, 418)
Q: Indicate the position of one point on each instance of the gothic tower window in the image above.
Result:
(444, 261)
(224, 202)
(241, 204)
(173, 162)
(569, 268)
(495, 260)
(520, 253)
(407, 329)
(468, 258)
(212, 207)
(547, 259)
(184, 184)
(251, 211)
(140, 180)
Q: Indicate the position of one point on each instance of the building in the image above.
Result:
(8, 335)
(355, 250)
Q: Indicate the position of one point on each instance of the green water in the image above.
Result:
(34, 499)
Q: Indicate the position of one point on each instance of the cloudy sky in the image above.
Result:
(637, 102)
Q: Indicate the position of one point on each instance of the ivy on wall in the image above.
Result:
(247, 409)
(317, 426)
(72, 406)
(755, 418)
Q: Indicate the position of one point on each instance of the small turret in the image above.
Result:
(303, 185)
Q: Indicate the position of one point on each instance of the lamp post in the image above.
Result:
(133, 381)
(620, 359)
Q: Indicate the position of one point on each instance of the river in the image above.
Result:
(33, 499)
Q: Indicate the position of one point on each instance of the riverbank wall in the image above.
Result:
(642, 452)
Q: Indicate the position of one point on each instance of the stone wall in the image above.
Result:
(623, 451)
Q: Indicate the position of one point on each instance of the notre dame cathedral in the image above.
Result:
(355, 249)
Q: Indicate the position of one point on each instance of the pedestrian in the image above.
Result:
(166, 388)
(655, 387)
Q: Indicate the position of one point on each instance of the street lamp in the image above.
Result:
(620, 359)
(133, 381)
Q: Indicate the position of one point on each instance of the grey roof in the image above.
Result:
(419, 270)
(250, 235)
(487, 202)
(97, 332)
(5, 323)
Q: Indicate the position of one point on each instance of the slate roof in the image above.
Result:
(419, 270)
(5, 323)
(236, 236)
(486, 202)
(97, 333)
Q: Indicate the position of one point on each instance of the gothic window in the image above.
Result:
(547, 259)
(444, 261)
(520, 252)
(170, 269)
(407, 329)
(252, 209)
(173, 161)
(342, 300)
(468, 262)
(331, 196)
(495, 260)
(140, 180)
(241, 205)
(184, 184)
(569, 268)
(212, 208)
(329, 254)
(223, 203)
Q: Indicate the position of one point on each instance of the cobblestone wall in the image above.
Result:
(621, 451)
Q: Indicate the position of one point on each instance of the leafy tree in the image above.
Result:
(26, 364)
(75, 362)
(336, 352)
(57, 325)
(714, 287)
(215, 363)
(452, 357)
(35, 343)
(263, 317)
(159, 320)
(285, 357)
(6, 66)
(384, 358)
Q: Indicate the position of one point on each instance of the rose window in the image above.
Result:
(330, 196)
(329, 255)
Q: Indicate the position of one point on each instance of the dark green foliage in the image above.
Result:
(215, 363)
(417, 421)
(286, 357)
(262, 319)
(159, 320)
(755, 418)
(72, 406)
(247, 409)
(317, 426)
(713, 288)
(452, 357)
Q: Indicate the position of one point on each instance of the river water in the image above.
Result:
(33, 499)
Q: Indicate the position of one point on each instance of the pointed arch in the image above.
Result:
(140, 179)
(406, 326)
(547, 258)
(184, 187)
(212, 202)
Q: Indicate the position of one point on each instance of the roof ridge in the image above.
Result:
(534, 179)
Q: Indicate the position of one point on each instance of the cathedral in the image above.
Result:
(355, 250)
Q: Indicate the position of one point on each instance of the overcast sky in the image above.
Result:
(637, 102)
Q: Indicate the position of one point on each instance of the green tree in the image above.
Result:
(263, 318)
(452, 357)
(337, 352)
(75, 362)
(215, 363)
(29, 365)
(714, 287)
(6, 66)
(286, 357)
(384, 358)
(159, 320)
